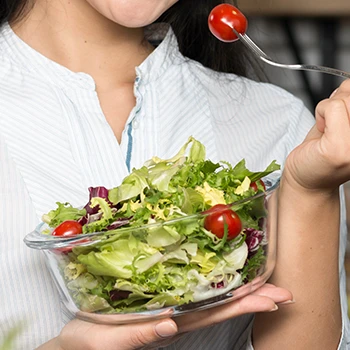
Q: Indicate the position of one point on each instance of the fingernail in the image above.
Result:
(287, 302)
(275, 308)
(166, 329)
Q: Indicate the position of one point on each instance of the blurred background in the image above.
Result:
(303, 31)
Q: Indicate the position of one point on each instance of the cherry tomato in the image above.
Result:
(223, 18)
(220, 215)
(254, 185)
(68, 228)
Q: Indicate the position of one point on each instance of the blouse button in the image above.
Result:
(135, 124)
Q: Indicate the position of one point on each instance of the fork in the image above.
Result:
(249, 43)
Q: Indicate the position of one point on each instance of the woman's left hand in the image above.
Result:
(264, 299)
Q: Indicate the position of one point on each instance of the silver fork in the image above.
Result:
(267, 59)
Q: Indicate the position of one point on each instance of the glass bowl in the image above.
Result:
(117, 276)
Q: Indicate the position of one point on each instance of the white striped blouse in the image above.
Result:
(55, 142)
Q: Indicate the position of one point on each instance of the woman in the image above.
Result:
(85, 97)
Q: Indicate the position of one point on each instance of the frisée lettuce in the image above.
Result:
(141, 264)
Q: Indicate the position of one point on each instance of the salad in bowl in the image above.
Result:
(177, 235)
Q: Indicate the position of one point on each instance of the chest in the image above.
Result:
(117, 105)
(64, 143)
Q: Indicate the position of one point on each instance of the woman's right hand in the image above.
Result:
(81, 335)
(322, 161)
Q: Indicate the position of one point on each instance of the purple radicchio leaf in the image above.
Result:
(118, 223)
(117, 295)
(218, 285)
(99, 191)
(83, 220)
(253, 239)
(88, 218)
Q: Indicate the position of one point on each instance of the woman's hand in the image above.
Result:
(81, 335)
(264, 299)
(323, 160)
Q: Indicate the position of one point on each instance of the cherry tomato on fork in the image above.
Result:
(220, 215)
(223, 18)
(68, 228)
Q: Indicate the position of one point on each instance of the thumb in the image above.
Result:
(82, 335)
(147, 334)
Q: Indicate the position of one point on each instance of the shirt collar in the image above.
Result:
(32, 61)
(164, 56)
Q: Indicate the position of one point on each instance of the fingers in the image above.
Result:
(333, 122)
(143, 335)
(278, 295)
(81, 335)
(322, 161)
(262, 300)
(336, 108)
(334, 114)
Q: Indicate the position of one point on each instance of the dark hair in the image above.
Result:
(12, 10)
(189, 21)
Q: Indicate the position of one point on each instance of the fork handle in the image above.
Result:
(308, 67)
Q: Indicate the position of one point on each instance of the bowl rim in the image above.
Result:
(38, 240)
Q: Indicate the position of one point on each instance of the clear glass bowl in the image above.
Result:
(260, 245)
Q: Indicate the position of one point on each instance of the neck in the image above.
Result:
(76, 36)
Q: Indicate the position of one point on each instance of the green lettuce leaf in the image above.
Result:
(64, 211)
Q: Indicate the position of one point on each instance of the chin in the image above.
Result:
(134, 23)
(134, 19)
(132, 13)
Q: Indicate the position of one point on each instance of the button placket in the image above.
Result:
(134, 122)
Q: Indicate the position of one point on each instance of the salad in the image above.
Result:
(171, 235)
